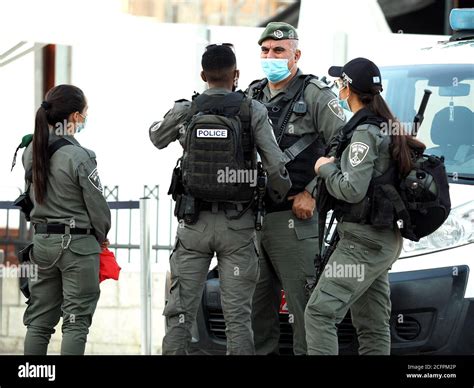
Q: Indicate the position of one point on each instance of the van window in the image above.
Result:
(448, 126)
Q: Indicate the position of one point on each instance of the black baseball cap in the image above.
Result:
(361, 73)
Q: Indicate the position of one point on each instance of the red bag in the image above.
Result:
(109, 269)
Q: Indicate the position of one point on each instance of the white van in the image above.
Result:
(432, 290)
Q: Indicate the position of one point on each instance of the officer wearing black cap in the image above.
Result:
(360, 73)
(356, 275)
(305, 114)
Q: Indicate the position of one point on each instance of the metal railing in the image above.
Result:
(16, 233)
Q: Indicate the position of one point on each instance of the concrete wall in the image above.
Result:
(116, 324)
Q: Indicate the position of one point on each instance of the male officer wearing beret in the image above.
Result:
(305, 115)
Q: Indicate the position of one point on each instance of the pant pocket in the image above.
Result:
(85, 245)
(252, 272)
(332, 300)
(80, 276)
(89, 274)
(191, 236)
(46, 249)
(256, 272)
(174, 306)
(244, 263)
(337, 291)
(363, 240)
(305, 229)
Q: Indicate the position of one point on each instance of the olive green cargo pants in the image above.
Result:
(355, 277)
(234, 243)
(70, 289)
(288, 247)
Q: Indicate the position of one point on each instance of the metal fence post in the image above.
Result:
(145, 276)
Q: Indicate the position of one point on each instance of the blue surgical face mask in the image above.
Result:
(275, 69)
(81, 126)
(344, 103)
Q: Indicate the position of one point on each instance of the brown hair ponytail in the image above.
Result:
(403, 144)
(40, 155)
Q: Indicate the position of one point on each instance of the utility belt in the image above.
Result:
(60, 229)
(187, 208)
(358, 213)
(214, 207)
(375, 209)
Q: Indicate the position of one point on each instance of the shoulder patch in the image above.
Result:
(95, 180)
(357, 153)
(335, 108)
(155, 126)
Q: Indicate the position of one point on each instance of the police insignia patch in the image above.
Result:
(336, 109)
(155, 126)
(278, 34)
(95, 180)
(357, 153)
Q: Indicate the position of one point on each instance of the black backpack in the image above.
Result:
(219, 160)
(421, 201)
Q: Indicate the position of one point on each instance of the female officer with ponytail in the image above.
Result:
(71, 220)
(356, 275)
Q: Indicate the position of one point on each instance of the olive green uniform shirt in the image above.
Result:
(74, 195)
(367, 156)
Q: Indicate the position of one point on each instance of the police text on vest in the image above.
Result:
(37, 371)
(212, 133)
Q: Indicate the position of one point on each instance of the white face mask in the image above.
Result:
(81, 126)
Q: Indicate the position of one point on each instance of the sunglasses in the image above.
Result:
(230, 45)
(340, 83)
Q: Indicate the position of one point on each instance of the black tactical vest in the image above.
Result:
(301, 169)
(219, 154)
(364, 211)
